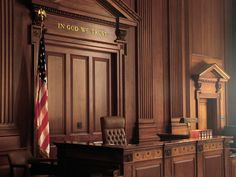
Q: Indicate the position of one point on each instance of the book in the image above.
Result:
(201, 134)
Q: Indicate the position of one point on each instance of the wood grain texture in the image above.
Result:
(179, 66)
(80, 80)
(145, 64)
(79, 84)
(151, 171)
(175, 37)
(202, 121)
(184, 166)
(56, 92)
(214, 166)
(6, 62)
(101, 90)
(161, 94)
(208, 28)
(232, 166)
(153, 69)
(207, 40)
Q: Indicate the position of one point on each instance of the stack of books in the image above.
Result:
(201, 134)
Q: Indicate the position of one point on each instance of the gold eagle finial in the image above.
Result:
(42, 14)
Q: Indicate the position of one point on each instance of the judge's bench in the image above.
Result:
(177, 158)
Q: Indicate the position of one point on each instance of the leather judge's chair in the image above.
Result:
(22, 161)
(113, 133)
(113, 130)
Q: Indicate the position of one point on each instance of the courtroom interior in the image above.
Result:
(118, 88)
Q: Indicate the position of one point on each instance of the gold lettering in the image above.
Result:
(82, 29)
(92, 31)
(68, 27)
(60, 25)
(76, 28)
(72, 28)
(104, 33)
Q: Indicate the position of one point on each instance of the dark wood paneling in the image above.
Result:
(56, 92)
(6, 62)
(9, 142)
(80, 80)
(145, 63)
(212, 159)
(130, 88)
(101, 89)
(184, 166)
(128, 2)
(213, 166)
(153, 69)
(207, 21)
(232, 172)
(208, 28)
(160, 65)
(79, 83)
(178, 51)
(180, 159)
(149, 170)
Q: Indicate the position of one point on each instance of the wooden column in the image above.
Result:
(145, 72)
(179, 66)
(152, 69)
(6, 62)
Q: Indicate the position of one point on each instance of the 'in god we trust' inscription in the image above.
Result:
(82, 29)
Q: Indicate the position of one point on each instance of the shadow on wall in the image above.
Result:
(23, 75)
(231, 63)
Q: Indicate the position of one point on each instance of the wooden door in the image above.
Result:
(208, 114)
(202, 120)
(212, 114)
(79, 84)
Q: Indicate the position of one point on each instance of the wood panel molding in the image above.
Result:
(207, 28)
(6, 63)
(184, 166)
(232, 163)
(212, 146)
(209, 85)
(105, 12)
(147, 155)
(154, 170)
(146, 122)
(183, 150)
(145, 63)
(93, 71)
(179, 59)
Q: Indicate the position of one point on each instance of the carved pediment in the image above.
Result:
(104, 10)
(211, 73)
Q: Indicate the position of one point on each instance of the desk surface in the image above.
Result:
(153, 159)
(135, 146)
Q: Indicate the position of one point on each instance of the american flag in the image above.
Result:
(41, 103)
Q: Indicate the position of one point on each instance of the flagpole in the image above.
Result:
(41, 16)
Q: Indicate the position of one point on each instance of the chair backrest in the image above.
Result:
(19, 157)
(113, 130)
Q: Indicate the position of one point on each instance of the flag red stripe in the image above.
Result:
(43, 99)
(45, 142)
(40, 103)
(43, 124)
